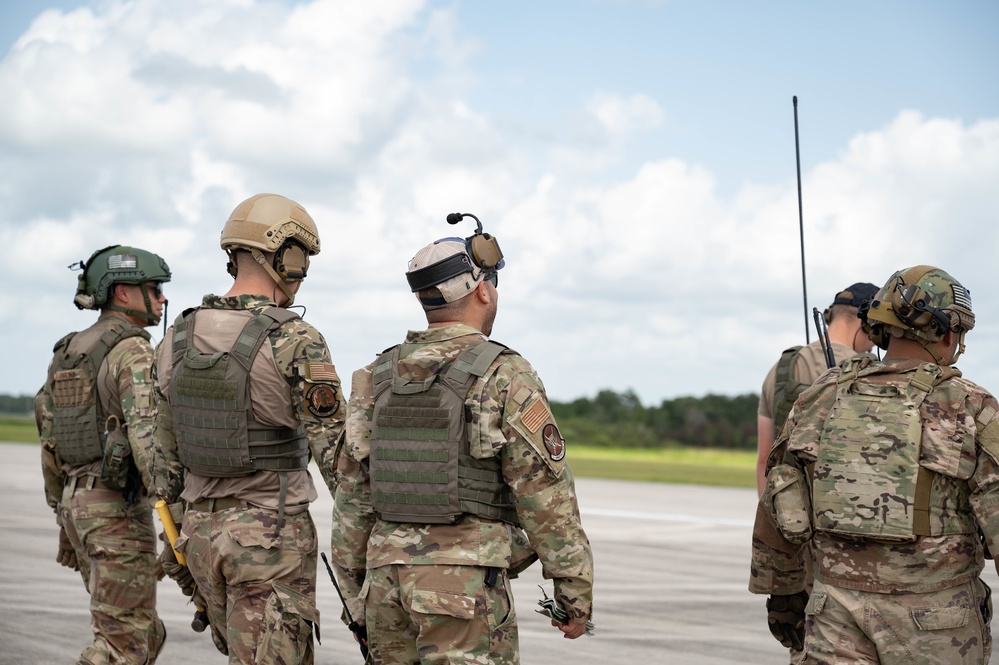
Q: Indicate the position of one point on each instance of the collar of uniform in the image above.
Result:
(212, 301)
(431, 335)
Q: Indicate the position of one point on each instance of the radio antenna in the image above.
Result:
(801, 221)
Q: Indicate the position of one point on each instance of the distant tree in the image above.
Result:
(17, 404)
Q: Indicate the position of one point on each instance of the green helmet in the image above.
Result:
(922, 303)
(117, 264)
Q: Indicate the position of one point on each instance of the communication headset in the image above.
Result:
(481, 251)
(291, 262)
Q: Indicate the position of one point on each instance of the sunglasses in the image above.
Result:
(156, 288)
(493, 279)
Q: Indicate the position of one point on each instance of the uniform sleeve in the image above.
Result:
(165, 469)
(534, 466)
(130, 367)
(353, 516)
(51, 469)
(316, 395)
(984, 482)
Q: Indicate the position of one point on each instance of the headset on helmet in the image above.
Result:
(117, 264)
(273, 224)
(921, 303)
(482, 251)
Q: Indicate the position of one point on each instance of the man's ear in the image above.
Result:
(482, 292)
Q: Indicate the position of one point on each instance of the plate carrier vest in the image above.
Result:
(421, 468)
(217, 435)
(867, 481)
(785, 392)
(77, 416)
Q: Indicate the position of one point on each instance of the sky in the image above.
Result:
(635, 160)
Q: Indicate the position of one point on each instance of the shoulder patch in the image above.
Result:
(316, 372)
(554, 443)
(321, 400)
(534, 421)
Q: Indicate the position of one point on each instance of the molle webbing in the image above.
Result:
(78, 418)
(421, 468)
(868, 483)
(786, 391)
(213, 417)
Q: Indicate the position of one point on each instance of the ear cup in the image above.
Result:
(291, 262)
(485, 251)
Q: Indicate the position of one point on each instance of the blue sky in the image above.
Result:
(635, 159)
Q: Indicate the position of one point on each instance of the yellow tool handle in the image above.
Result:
(170, 529)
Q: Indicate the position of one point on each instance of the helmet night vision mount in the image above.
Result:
(482, 252)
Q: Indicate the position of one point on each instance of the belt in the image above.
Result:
(215, 505)
(86, 483)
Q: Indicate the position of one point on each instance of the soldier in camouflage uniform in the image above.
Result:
(799, 366)
(890, 469)
(246, 394)
(95, 418)
(452, 479)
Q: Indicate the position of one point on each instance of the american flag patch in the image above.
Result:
(535, 415)
(962, 298)
(323, 372)
(122, 262)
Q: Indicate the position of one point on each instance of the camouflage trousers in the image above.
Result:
(259, 586)
(948, 627)
(115, 545)
(439, 614)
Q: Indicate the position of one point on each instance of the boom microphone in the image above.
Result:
(454, 218)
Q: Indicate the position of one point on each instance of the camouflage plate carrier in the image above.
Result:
(421, 468)
(867, 481)
(217, 435)
(78, 420)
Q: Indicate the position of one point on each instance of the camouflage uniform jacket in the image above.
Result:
(960, 444)
(124, 389)
(297, 353)
(541, 482)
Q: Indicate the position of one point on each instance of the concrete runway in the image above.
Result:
(671, 574)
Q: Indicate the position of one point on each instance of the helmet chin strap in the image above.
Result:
(147, 315)
(283, 285)
(940, 360)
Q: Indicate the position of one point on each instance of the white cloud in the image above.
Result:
(127, 124)
(620, 115)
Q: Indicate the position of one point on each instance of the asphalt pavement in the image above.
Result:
(672, 564)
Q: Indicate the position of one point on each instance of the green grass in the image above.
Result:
(697, 466)
(18, 428)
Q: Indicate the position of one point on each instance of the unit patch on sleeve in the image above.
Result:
(321, 400)
(554, 443)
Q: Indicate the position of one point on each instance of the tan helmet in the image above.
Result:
(921, 303)
(266, 222)
(276, 225)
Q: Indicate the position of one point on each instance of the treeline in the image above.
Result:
(620, 420)
(20, 405)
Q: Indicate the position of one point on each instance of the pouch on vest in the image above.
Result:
(867, 482)
(786, 390)
(786, 496)
(118, 470)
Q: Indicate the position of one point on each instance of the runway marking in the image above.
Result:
(666, 517)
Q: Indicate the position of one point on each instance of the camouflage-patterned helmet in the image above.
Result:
(266, 222)
(112, 265)
(921, 302)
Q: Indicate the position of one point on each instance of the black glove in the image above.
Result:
(67, 555)
(361, 635)
(786, 616)
(178, 573)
